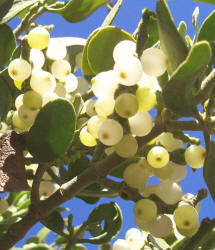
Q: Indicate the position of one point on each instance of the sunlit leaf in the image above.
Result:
(86, 69)
(206, 28)
(78, 10)
(10, 8)
(171, 41)
(101, 45)
(177, 93)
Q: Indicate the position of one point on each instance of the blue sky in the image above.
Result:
(128, 19)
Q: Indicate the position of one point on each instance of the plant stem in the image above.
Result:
(35, 12)
(42, 209)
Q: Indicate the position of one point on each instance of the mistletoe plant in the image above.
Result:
(64, 136)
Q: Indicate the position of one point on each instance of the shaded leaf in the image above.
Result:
(78, 10)
(183, 80)
(209, 169)
(60, 240)
(4, 76)
(53, 130)
(101, 45)
(110, 213)
(12, 166)
(32, 239)
(54, 222)
(112, 14)
(5, 99)
(171, 41)
(10, 8)
(207, 26)
(7, 44)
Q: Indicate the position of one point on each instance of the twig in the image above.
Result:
(35, 12)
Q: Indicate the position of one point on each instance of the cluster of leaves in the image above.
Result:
(189, 76)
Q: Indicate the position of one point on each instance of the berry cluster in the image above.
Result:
(118, 115)
(46, 83)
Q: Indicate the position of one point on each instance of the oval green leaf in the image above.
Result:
(101, 45)
(171, 41)
(54, 222)
(177, 93)
(206, 28)
(86, 69)
(53, 130)
(110, 213)
(208, 169)
(5, 99)
(7, 44)
(78, 10)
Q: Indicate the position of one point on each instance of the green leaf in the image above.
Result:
(86, 69)
(147, 31)
(78, 10)
(205, 1)
(206, 28)
(101, 45)
(11, 8)
(53, 130)
(209, 170)
(40, 247)
(152, 30)
(7, 44)
(183, 80)
(112, 14)
(171, 41)
(32, 239)
(5, 99)
(43, 233)
(182, 29)
(110, 213)
(208, 242)
(54, 222)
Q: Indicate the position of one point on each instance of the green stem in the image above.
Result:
(206, 87)
(35, 12)
(112, 14)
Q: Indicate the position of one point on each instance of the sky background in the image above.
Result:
(127, 19)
